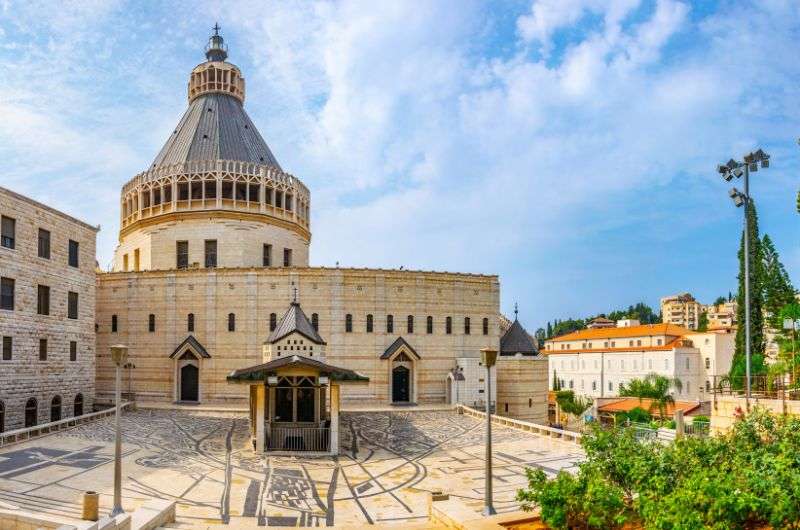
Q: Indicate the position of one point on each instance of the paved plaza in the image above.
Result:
(390, 461)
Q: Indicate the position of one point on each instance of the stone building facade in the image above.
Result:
(213, 248)
(47, 313)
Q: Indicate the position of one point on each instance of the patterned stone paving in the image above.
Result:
(390, 461)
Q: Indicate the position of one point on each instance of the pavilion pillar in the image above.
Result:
(334, 434)
(261, 396)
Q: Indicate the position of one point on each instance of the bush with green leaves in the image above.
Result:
(747, 478)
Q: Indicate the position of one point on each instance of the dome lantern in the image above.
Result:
(216, 50)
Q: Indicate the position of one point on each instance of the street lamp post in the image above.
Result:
(488, 358)
(119, 354)
(728, 171)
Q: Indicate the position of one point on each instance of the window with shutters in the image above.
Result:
(44, 243)
(9, 230)
(72, 305)
(73, 253)
(182, 254)
(43, 300)
(7, 294)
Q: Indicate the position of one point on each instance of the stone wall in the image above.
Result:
(522, 388)
(724, 409)
(252, 294)
(24, 376)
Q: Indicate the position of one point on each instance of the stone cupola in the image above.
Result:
(216, 76)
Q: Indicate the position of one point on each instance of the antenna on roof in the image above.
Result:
(295, 296)
(516, 310)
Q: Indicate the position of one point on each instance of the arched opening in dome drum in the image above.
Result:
(183, 191)
(197, 190)
(227, 189)
(210, 189)
(241, 191)
(253, 191)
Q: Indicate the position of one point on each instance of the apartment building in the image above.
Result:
(722, 315)
(681, 310)
(47, 313)
(595, 362)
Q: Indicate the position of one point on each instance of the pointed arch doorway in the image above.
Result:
(189, 358)
(403, 364)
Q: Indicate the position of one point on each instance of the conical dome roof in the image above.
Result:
(215, 126)
(516, 340)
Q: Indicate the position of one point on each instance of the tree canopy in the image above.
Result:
(747, 478)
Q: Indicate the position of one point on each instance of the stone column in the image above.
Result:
(680, 427)
(334, 443)
(260, 402)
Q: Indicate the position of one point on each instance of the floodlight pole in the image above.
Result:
(488, 357)
(747, 280)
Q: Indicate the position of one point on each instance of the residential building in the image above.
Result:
(681, 310)
(601, 322)
(47, 313)
(595, 362)
(721, 316)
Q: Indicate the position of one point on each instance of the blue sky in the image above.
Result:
(567, 145)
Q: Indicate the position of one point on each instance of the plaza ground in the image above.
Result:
(390, 461)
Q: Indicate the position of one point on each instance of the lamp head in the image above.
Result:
(119, 354)
(488, 357)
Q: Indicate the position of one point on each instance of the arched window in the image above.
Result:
(389, 323)
(55, 409)
(31, 412)
(273, 321)
(466, 326)
(315, 321)
(77, 408)
(485, 326)
(348, 323)
(448, 325)
(231, 322)
(369, 323)
(2, 416)
(410, 324)
(113, 323)
(190, 322)
(429, 325)
(151, 323)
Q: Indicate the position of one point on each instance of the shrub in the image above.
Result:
(700, 419)
(747, 478)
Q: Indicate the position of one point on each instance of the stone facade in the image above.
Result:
(25, 372)
(252, 295)
(522, 388)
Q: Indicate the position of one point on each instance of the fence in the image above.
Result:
(21, 435)
(761, 386)
(535, 428)
(306, 439)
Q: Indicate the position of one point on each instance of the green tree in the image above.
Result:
(540, 337)
(721, 300)
(788, 339)
(556, 382)
(702, 322)
(778, 289)
(571, 404)
(653, 387)
(757, 344)
(745, 479)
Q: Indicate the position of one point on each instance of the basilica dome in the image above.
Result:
(215, 195)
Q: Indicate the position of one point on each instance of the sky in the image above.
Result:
(568, 146)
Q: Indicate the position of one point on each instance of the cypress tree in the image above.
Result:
(778, 289)
(757, 366)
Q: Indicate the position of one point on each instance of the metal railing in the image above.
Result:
(697, 428)
(761, 386)
(298, 439)
(21, 435)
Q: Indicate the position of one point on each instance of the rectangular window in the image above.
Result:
(266, 258)
(42, 349)
(43, 300)
(73, 350)
(125, 263)
(7, 294)
(211, 253)
(136, 259)
(287, 257)
(182, 254)
(73, 253)
(389, 324)
(8, 348)
(151, 323)
(72, 305)
(113, 323)
(9, 229)
(44, 243)
(466, 326)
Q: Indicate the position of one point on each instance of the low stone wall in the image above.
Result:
(453, 513)
(724, 409)
(153, 514)
(535, 428)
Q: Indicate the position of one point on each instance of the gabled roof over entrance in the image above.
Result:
(295, 321)
(260, 372)
(194, 344)
(396, 345)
